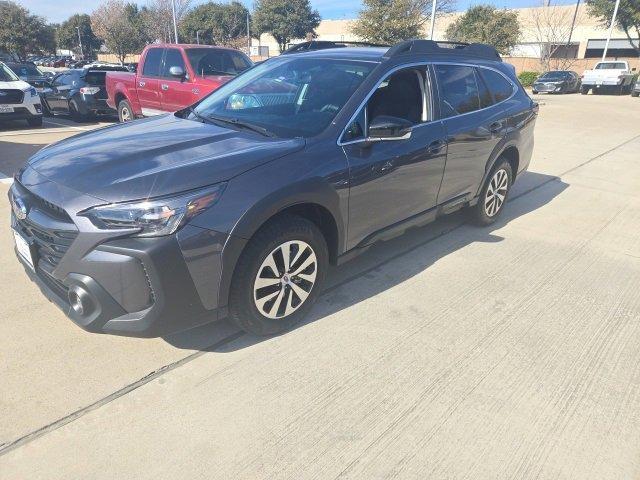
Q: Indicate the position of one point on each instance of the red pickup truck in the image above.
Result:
(171, 77)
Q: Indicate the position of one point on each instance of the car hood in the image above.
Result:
(154, 157)
(15, 85)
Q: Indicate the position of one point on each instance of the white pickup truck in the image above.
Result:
(613, 77)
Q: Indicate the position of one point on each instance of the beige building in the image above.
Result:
(545, 33)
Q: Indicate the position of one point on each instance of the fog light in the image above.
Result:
(38, 108)
(80, 301)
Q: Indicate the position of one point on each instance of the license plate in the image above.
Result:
(24, 250)
(5, 109)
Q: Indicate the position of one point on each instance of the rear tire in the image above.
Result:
(263, 301)
(494, 195)
(35, 121)
(125, 112)
(76, 116)
(584, 90)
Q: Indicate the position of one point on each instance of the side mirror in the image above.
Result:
(176, 71)
(386, 127)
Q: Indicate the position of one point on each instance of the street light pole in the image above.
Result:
(80, 42)
(248, 36)
(433, 18)
(198, 36)
(175, 24)
(613, 21)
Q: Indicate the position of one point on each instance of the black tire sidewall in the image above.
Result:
(242, 308)
(122, 104)
(480, 216)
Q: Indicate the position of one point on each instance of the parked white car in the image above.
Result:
(18, 99)
(613, 77)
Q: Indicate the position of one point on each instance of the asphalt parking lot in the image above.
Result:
(511, 351)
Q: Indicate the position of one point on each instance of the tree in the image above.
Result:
(487, 24)
(628, 18)
(22, 33)
(391, 21)
(285, 20)
(550, 25)
(68, 35)
(121, 26)
(218, 24)
(158, 15)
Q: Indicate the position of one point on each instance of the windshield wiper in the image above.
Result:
(242, 124)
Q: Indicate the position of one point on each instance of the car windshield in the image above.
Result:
(210, 61)
(26, 70)
(6, 75)
(293, 97)
(554, 75)
(611, 66)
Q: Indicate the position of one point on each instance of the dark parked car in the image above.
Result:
(80, 93)
(236, 206)
(28, 72)
(635, 91)
(557, 81)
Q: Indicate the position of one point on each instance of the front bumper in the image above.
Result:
(547, 87)
(144, 287)
(22, 111)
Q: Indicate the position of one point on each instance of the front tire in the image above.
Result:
(35, 121)
(278, 276)
(584, 90)
(494, 195)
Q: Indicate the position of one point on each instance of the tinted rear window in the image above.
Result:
(152, 62)
(95, 78)
(611, 66)
(458, 90)
(500, 88)
(209, 61)
(25, 70)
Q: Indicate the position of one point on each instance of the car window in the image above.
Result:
(290, 96)
(172, 58)
(458, 90)
(95, 77)
(500, 87)
(65, 79)
(26, 70)
(486, 98)
(210, 61)
(399, 95)
(357, 129)
(152, 62)
(611, 66)
(6, 75)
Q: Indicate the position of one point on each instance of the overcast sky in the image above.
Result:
(59, 10)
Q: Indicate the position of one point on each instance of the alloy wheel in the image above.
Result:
(496, 193)
(285, 279)
(125, 114)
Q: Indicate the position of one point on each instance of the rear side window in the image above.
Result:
(173, 58)
(486, 99)
(210, 61)
(458, 90)
(499, 86)
(152, 63)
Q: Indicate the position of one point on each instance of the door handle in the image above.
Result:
(436, 146)
(495, 127)
(164, 86)
(141, 84)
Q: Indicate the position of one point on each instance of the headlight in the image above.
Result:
(33, 91)
(154, 217)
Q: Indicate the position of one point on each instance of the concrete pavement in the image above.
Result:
(451, 352)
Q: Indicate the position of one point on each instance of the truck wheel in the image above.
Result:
(635, 94)
(278, 276)
(125, 112)
(584, 90)
(493, 195)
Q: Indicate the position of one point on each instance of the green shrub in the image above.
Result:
(527, 78)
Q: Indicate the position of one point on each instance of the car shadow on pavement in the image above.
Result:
(14, 155)
(377, 269)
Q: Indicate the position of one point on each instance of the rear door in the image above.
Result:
(147, 82)
(58, 98)
(473, 124)
(175, 93)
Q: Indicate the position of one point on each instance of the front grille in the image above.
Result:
(10, 95)
(51, 244)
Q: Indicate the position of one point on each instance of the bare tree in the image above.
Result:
(159, 17)
(551, 26)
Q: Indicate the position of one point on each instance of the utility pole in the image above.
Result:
(573, 24)
(248, 36)
(613, 21)
(433, 18)
(198, 36)
(175, 24)
(80, 42)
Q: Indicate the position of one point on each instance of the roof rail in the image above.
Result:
(407, 47)
(324, 44)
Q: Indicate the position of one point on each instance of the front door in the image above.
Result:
(393, 180)
(175, 93)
